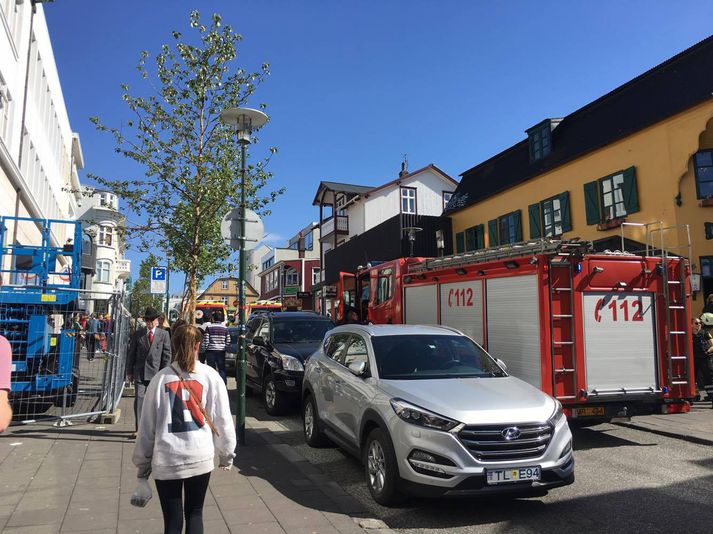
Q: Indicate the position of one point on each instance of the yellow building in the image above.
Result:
(642, 153)
(225, 290)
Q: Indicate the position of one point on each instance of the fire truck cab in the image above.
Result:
(607, 334)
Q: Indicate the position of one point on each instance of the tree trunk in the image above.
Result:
(191, 297)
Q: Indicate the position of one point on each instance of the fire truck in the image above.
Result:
(607, 334)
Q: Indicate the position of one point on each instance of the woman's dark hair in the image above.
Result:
(177, 324)
(184, 346)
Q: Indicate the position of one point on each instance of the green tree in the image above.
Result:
(141, 297)
(191, 159)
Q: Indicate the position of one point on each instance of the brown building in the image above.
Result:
(225, 289)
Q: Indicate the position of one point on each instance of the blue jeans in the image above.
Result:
(216, 360)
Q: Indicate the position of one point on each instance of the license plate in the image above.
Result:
(512, 474)
(590, 411)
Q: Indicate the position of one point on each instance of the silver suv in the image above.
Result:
(429, 412)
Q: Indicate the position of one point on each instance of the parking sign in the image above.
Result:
(158, 280)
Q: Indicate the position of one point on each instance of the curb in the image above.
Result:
(674, 435)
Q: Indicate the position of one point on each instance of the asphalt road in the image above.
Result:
(626, 481)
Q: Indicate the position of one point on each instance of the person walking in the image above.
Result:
(5, 375)
(92, 337)
(149, 352)
(215, 343)
(703, 359)
(185, 421)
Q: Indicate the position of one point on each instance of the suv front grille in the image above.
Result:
(488, 443)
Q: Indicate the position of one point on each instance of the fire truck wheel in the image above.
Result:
(272, 398)
(381, 470)
(311, 424)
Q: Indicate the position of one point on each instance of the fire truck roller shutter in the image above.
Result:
(420, 305)
(619, 341)
(462, 308)
(514, 325)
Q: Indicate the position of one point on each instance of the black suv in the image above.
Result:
(278, 344)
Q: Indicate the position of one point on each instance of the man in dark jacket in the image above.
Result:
(149, 352)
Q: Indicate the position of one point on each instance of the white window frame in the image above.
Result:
(448, 194)
(316, 275)
(106, 235)
(408, 200)
(224, 284)
(551, 217)
(103, 273)
(292, 277)
(613, 196)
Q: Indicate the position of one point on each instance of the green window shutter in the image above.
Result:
(517, 221)
(460, 242)
(470, 239)
(535, 222)
(564, 208)
(480, 236)
(591, 202)
(631, 195)
(493, 233)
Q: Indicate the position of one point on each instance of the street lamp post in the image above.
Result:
(245, 120)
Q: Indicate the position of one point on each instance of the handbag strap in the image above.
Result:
(198, 402)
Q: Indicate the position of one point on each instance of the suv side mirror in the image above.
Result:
(502, 364)
(259, 341)
(357, 368)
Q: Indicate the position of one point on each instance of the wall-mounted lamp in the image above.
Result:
(598, 270)
(461, 271)
(511, 264)
(480, 273)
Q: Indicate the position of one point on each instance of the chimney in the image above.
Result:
(404, 169)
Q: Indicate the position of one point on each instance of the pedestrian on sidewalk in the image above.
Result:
(92, 337)
(185, 421)
(215, 342)
(703, 358)
(149, 352)
(5, 375)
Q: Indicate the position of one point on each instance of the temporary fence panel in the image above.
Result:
(61, 368)
(619, 342)
(420, 305)
(514, 325)
(462, 308)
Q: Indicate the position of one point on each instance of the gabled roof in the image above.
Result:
(675, 85)
(430, 166)
(339, 187)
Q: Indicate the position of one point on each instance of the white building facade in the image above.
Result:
(39, 154)
(102, 220)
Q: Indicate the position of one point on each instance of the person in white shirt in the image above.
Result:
(185, 422)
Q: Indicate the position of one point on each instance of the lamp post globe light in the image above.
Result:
(244, 120)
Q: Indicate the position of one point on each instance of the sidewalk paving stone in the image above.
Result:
(80, 478)
(695, 426)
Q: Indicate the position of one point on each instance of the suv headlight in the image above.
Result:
(557, 415)
(290, 363)
(419, 416)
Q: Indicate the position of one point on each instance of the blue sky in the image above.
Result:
(357, 84)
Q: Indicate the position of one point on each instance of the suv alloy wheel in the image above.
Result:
(272, 398)
(311, 424)
(382, 473)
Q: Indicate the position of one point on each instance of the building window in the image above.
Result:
(447, 195)
(341, 202)
(103, 271)
(475, 238)
(309, 241)
(505, 230)
(294, 243)
(540, 141)
(611, 197)
(460, 242)
(224, 284)
(292, 277)
(271, 280)
(5, 112)
(267, 264)
(315, 275)
(105, 235)
(704, 173)
(408, 200)
(550, 218)
(385, 285)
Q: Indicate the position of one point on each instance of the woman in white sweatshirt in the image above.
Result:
(185, 421)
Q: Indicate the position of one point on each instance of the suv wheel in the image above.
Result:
(272, 398)
(311, 424)
(382, 473)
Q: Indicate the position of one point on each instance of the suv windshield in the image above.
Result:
(300, 330)
(431, 356)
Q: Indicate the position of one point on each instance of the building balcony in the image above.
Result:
(123, 268)
(327, 226)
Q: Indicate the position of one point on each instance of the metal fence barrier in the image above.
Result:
(67, 363)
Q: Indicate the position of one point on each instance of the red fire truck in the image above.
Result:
(605, 333)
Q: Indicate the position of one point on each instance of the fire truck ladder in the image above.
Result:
(562, 347)
(673, 273)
